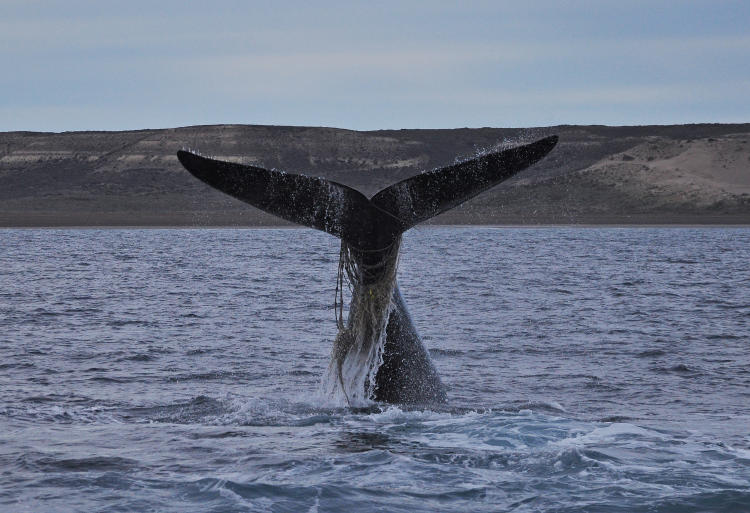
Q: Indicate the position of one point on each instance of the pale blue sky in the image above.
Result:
(112, 65)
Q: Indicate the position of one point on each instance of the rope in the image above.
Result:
(355, 272)
(369, 308)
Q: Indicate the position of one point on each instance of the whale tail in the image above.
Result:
(342, 211)
(377, 353)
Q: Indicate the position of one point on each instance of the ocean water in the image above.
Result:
(589, 370)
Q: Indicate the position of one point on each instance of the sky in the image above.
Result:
(363, 65)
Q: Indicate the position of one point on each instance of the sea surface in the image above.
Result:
(178, 370)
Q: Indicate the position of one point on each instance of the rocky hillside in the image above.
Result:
(645, 174)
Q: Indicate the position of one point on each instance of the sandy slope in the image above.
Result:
(697, 172)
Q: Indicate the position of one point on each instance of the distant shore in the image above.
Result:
(694, 175)
(494, 226)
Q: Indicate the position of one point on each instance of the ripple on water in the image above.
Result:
(178, 373)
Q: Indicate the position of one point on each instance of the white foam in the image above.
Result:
(609, 433)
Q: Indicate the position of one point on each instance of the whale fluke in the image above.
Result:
(347, 213)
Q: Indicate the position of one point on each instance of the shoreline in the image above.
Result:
(542, 226)
(259, 220)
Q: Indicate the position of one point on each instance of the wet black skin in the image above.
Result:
(371, 227)
(407, 375)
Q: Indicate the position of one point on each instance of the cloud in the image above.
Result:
(356, 64)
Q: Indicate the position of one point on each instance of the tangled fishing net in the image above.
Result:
(358, 347)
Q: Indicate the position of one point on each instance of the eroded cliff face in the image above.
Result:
(662, 174)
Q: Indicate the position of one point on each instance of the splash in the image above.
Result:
(358, 348)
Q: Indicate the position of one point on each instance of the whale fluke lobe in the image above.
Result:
(426, 195)
(310, 201)
(377, 354)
